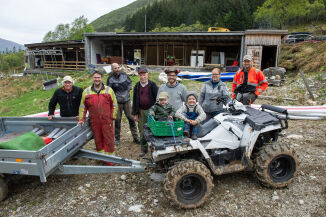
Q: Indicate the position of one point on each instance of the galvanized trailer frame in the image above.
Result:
(51, 158)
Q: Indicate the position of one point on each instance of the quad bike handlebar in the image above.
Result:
(274, 109)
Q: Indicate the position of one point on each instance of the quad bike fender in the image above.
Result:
(219, 170)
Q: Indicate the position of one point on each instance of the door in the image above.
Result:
(256, 53)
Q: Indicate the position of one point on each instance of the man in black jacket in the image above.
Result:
(68, 97)
(144, 97)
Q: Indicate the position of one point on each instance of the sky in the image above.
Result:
(27, 21)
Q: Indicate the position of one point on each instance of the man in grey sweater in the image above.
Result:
(177, 92)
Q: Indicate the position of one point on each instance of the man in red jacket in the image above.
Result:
(99, 100)
(248, 82)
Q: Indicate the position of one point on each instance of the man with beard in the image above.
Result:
(121, 85)
(177, 92)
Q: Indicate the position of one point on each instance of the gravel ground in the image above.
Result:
(136, 194)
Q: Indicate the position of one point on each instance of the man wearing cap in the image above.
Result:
(121, 85)
(248, 82)
(177, 92)
(99, 100)
(144, 96)
(68, 97)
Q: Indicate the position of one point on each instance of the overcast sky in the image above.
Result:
(27, 21)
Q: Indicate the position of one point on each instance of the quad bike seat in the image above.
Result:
(259, 119)
(207, 127)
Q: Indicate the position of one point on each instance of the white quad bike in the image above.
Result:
(240, 138)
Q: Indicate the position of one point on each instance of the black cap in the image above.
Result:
(168, 70)
(142, 70)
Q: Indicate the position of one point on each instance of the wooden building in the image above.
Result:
(188, 49)
(195, 49)
(67, 55)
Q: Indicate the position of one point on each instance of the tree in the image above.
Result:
(316, 11)
(80, 26)
(197, 27)
(73, 31)
(278, 12)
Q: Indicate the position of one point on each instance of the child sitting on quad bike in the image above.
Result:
(192, 114)
(162, 110)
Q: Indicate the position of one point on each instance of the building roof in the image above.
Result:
(154, 36)
(55, 43)
(265, 32)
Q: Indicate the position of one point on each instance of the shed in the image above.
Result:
(193, 49)
(264, 46)
(68, 55)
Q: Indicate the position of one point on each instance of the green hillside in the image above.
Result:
(115, 19)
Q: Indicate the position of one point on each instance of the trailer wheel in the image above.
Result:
(3, 189)
(188, 184)
(277, 165)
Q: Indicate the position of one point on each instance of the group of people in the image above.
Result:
(105, 103)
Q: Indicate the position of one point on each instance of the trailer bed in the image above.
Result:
(68, 140)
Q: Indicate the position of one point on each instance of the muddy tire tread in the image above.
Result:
(181, 169)
(3, 189)
(265, 156)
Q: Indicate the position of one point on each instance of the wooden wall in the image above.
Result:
(258, 39)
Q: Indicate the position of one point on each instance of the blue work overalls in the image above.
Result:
(193, 129)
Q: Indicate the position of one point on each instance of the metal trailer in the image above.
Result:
(68, 140)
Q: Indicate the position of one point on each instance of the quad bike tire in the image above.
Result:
(277, 165)
(3, 189)
(188, 184)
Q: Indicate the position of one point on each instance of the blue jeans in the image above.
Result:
(192, 129)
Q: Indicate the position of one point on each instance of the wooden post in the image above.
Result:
(196, 65)
(183, 54)
(77, 58)
(122, 62)
(241, 51)
(145, 62)
(306, 84)
(157, 54)
(277, 55)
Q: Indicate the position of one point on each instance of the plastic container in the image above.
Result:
(163, 128)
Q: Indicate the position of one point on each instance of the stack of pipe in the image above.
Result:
(303, 112)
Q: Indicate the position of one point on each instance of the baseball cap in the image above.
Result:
(67, 78)
(163, 95)
(142, 70)
(247, 57)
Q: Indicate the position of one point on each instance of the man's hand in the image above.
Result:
(170, 117)
(192, 122)
(50, 117)
(77, 118)
(81, 122)
(136, 118)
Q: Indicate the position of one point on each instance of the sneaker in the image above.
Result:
(194, 137)
(143, 151)
(117, 142)
(186, 133)
(136, 140)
